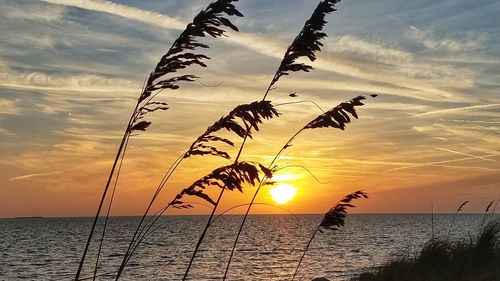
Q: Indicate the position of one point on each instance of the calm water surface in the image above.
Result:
(50, 248)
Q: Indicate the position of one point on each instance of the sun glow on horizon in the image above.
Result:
(283, 193)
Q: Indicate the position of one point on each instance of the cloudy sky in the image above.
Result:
(70, 72)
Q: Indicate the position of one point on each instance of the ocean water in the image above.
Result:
(269, 248)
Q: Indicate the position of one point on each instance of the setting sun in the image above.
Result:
(282, 193)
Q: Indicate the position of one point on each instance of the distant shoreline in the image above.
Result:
(203, 215)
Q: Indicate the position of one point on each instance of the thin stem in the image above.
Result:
(200, 240)
(452, 224)
(305, 251)
(164, 180)
(104, 193)
(111, 273)
(264, 204)
(432, 221)
(493, 211)
(124, 261)
(160, 270)
(155, 195)
(455, 217)
(141, 236)
(149, 225)
(150, 229)
(253, 199)
(109, 209)
(220, 215)
(301, 101)
(271, 84)
(307, 170)
(275, 79)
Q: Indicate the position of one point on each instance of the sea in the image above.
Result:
(269, 248)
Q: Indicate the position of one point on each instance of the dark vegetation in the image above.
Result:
(477, 259)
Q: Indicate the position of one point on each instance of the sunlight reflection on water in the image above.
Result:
(49, 249)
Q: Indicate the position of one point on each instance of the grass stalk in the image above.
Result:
(304, 45)
(214, 209)
(334, 219)
(432, 222)
(247, 133)
(101, 240)
(305, 251)
(139, 229)
(104, 193)
(452, 224)
(209, 21)
(240, 229)
(318, 122)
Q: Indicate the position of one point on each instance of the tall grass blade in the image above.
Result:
(460, 209)
(304, 45)
(334, 219)
(486, 211)
(324, 120)
(181, 54)
(241, 120)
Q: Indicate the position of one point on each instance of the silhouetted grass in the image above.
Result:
(443, 260)
(334, 219)
(184, 52)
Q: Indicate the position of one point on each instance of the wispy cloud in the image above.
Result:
(456, 109)
(9, 107)
(30, 176)
(410, 75)
(348, 44)
(34, 12)
(56, 82)
(123, 11)
(5, 132)
(467, 42)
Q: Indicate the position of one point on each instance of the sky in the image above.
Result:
(70, 72)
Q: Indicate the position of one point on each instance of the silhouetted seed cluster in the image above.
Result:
(209, 21)
(230, 177)
(338, 116)
(461, 207)
(241, 120)
(307, 42)
(149, 107)
(181, 55)
(335, 217)
(489, 206)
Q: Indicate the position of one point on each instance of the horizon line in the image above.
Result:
(263, 214)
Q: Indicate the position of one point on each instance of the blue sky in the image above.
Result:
(70, 71)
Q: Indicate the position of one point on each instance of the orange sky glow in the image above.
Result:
(430, 137)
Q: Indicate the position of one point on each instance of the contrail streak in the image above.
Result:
(436, 163)
(466, 154)
(444, 111)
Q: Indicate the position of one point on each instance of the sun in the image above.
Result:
(282, 193)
